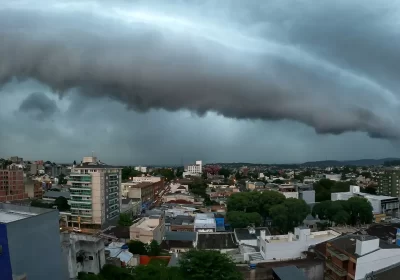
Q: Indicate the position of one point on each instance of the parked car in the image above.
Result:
(75, 229)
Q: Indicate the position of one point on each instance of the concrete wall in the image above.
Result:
(35, 248)
(308, 196)
(313, 272)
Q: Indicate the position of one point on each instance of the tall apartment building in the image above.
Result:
(12, 185)
(388, 182)
(95, 193)
(30, 244)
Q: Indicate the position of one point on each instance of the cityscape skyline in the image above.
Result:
(243, 87)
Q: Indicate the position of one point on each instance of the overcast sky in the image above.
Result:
(165, 82)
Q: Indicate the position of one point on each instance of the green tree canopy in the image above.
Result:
(62, 180)
(125, 220)
(202, 264)
(62, 203)
(291, 213)
(225, 172)
(370, 190)
(360, 210)
(154, 248)
(267, 199)
(137, 247)
(130, 171)
(239, 219)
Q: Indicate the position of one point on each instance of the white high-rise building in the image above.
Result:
(95, 193)
(195, 168)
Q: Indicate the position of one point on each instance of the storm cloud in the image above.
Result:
(39, 105)
(332, 65)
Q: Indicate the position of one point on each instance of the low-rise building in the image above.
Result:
(82, 253)
(25, 234)
(291, 245)
(356, 256)
(148, 229)
(306, 193)
(205, 223)
(121, 251)
(131, 206)
(380, 204)
(146, 191)
(178, 198)
(177, 242)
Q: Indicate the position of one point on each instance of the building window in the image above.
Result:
(90, 258)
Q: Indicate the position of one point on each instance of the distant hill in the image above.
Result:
(359, 162)
(322, 163)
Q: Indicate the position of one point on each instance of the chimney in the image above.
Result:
(262, 234)
(290, 237)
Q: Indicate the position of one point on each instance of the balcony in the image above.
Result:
(338, 254)
(113, 201)
(80, 214)
(337, 270)
(80, 192)
(81, 198)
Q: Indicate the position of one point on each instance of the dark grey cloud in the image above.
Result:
(38, 105)
(331, 66)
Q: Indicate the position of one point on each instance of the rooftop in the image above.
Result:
(347, 243)
(248, 234)
(382, 231)
(55, 194)
(216, 241)
(180, 235)
(141, 185)
(289, 273)
(147, 223)
(10, 213)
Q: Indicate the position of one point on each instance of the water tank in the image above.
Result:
(124, 247)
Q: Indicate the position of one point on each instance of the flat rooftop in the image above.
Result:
(147, 223)
(12, 216)
(315, 237)
(10, 213)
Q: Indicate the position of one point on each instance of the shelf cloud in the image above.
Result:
(331, 66)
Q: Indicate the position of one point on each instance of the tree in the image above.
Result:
(291, 213)
(341, 217)
(343, 177)
(74, 162)
(225, 172)
(267, 199)
(125, 220)
(111, 272)
(360, 210)
(279, 215)
(369, 189)
(154, 248)
(297, 211)
(157, 270)
(204, 264)
(137, 247)
(62, 180)
(179, 172)
(62, 204)
(238, 219)
(321, 209)
(244, 201)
